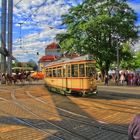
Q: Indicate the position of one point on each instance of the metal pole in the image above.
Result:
(3, 35)
(117, 48)
(10, 25)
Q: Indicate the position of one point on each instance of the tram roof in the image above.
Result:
(69, 60)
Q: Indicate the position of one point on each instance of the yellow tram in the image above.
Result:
(72, 75)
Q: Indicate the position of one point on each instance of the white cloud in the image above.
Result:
(39, 21)
(36, 31)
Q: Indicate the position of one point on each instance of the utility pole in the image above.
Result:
(3, 35)
(118, 65)
(10, 36)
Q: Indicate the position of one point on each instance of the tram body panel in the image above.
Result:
(73, 84)
(56, 82)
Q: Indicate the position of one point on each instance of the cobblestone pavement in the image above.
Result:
(30, 112)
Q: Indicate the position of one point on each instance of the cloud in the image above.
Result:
(41, 21)
(39, 25)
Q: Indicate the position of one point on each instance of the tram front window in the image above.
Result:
(90, 70)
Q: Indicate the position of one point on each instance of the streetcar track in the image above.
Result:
(27, 123)
(22, 121)
(39, 99)
(95, 106)
(34, 114)
(121, 105)
(97, 123)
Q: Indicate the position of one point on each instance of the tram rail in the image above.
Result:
(20, 121)
(72, 124)
(81, 118)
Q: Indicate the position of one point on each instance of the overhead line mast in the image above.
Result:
(10, 34)
(6, 36)
(3, 35)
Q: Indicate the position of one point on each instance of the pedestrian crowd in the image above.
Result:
(129, 79)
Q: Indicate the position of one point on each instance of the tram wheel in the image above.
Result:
(63, 92)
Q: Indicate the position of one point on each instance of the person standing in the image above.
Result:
(106, 80)
(122, 79)
(134, 128)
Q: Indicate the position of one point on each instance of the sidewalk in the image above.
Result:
(119, 88)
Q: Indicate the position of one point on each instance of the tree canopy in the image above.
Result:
(98, 28)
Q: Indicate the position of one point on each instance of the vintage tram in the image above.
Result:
(75, 75)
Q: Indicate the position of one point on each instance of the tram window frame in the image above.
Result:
(49, 72)
(54, 70)
(68, 70)
(74, 70)
(82, 74)
(91, 66)
(59, 71)
(64, 71)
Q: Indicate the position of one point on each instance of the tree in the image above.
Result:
(31, 63)
(98, 28)
(132, 63)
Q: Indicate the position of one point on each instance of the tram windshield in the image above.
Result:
(90, 69)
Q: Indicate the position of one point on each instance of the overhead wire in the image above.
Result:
(18, 2)
(29, 17)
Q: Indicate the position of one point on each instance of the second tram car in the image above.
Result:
(72, 75)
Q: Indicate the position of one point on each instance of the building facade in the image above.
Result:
(52, 53)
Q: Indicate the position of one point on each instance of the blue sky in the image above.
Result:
(40, 22)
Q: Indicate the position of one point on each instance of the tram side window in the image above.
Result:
(59, 72)
(64, 72)
(90, 71)
(81, 70)
(54, 73)
(68, 70)
(49, 73)
(74, 70)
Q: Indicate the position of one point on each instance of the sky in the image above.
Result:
(36, 23)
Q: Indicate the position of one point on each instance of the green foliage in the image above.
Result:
(132, 63)
(31, 65)
(98, 28)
